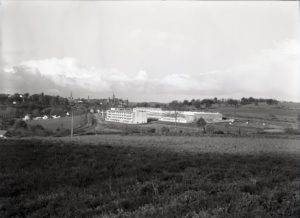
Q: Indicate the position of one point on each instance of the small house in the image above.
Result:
(26, 117)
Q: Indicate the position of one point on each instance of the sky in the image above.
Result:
(151, 51)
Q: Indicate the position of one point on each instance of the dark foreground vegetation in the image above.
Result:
(44, 179)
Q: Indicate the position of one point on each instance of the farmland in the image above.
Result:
(284, 114)
(144, 176)
(231, 145)
(62, 123)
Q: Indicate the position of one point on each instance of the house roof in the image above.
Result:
(2, 132)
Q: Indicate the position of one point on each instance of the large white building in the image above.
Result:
(209, 117)
(141, 114)
(181, 116)
(190, 116)
(152, 112)
(178, 119)
(125, 115)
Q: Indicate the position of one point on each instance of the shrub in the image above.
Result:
(201, 122)
(37, 127)
(151, 130)
(292, 131)
(165, 130)
(210, 129)
(62, 132)
(20, 124)
(218, 132)
(38, 130)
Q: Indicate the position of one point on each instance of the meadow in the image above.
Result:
(61, 123)
(144, 176)
(203, 144)
(284, 114)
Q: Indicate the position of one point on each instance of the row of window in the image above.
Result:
(119, 120)
(127, 117)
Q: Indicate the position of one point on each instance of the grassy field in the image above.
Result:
(231, 145)
(134, 176)
(61, 123)
(284, 114)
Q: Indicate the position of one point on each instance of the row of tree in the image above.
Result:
(40, 99)
(207, 103)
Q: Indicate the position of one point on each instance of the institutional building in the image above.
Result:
(141, 114)
(125, 115)
(209, 117)
(173, 119)
(190, 116)
(155, 113)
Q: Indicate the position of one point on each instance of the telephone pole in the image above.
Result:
(72, 122)
(72, 114)
(175, 119)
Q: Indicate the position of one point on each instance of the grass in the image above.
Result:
(61, 123)
(283, 114)
(68, 179)
(204, 144)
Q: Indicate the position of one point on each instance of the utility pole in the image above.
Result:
(72, 122)
(175, 119)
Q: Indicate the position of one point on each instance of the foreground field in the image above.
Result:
(116, 176)
(231, 145)
(62, 123)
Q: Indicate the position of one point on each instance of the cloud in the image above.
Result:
(270, 73)
(66, 74)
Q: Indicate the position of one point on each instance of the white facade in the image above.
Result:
(191, 116)
(123, 115)
(209, 117)
(141, 114)
(151, 112)
(174, 119)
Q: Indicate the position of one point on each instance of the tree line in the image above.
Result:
(209, 102)
(38, 99)
(18, 105)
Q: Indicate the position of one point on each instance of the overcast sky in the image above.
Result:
(151, 51)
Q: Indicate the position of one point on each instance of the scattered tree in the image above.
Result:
(201, 123)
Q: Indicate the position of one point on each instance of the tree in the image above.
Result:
(207, 102)
(186, 102)
(271, 101)
(174, 105)
(201, 123)
(20, 124)
(244, 101)
(197, 104)
(3, 98)
(233, 102)
(215, 100)
(298, 119)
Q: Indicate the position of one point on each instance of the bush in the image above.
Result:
(210, 129)
(20, 124)
(151, 130)
(62, 132)
(165, 130)
(201, 122)
(38, 130)
(218, 132)
(292, 131)
(37, 127)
